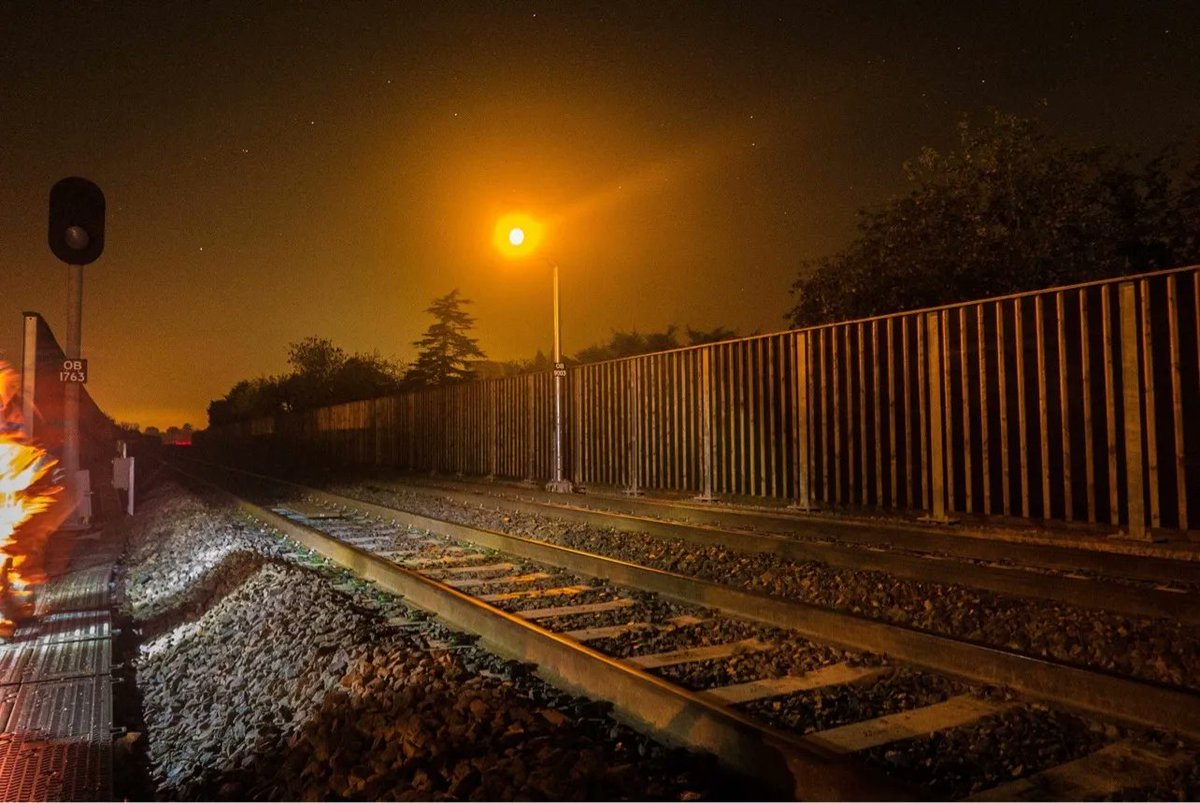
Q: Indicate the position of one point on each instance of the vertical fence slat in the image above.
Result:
(968, 477)
(908, 427)
(821, 430)
(802, 420)
(1110, 406)
(1043, 429)
(936, 471)
(949, 446)
(634, 458)
(1064, 414)
(1002, 391)
(724, 432)
(891, 372)
(851, 449)
(1019, 336)
(1177, 405)
(1151, 445)
(654, 428)
(754, 418)
(875, 405)
(706, 425)
(737, 359)
(922, 382)
(837, 419)
(1085, 361)
(770, 439)
(984, 419)
(1132, 399)
(862, 415)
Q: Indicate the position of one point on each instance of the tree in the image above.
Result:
(316, 357)
(697, 337)
(632, 343)
(1010, 209)
(315, 363)
(445, 348)
(322, 374)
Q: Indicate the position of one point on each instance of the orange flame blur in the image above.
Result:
(24, 493)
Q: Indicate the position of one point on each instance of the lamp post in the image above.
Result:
(557, 483)
(520, 243)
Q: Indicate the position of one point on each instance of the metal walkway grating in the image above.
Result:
(83, 590)
(61, 660)
(71, 626)
(56, 704)
(58, 745)
(13, 658)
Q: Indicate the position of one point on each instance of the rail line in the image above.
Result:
(794, 766)
(812, 764)
(1103, 556)
(1090, 592)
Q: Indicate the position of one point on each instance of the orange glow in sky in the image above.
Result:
(681, 162)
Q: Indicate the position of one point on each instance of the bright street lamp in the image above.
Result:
(518, 237)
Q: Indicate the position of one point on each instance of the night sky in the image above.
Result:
(277, 171)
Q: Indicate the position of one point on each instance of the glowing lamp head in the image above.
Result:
(518, 236)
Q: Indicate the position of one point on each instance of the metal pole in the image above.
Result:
(937, 424)
(71, 391)
(1132, 409)
(557, 483)
(29, 354)
(706, 427)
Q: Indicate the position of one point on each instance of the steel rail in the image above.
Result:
(799, 767)
(1112, 557)
(1015, 580)
(1140, 702)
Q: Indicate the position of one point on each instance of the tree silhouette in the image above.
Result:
(322, 374)
(1010, 209)
(444, 351)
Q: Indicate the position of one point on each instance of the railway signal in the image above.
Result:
(76, 236)
(76, 221)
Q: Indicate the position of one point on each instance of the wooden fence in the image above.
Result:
(1069, 404)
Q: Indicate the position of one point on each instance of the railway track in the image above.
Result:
(800, 696)
(1158, 588)
(831, 535)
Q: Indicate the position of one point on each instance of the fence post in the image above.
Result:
(706, 427)
(439, 432)
(937, 422)
(530, 438)
(1131, 396)
(378, 431)
(801, 427)
(633, 445)
(576, 477)
(493, 445)
(29, 353)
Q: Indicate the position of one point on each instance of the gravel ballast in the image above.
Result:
(1154, 649)
(267, 674)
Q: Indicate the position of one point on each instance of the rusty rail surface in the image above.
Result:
(1143, 703)
(1064, 404)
